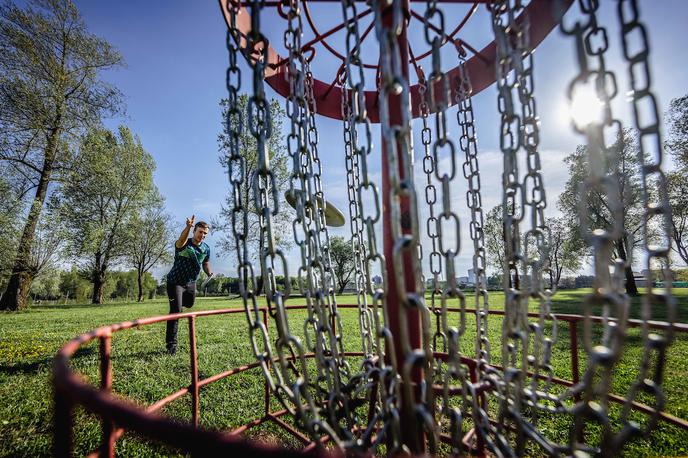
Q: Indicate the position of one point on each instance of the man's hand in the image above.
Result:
(190, 221)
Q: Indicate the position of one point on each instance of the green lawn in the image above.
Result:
(144, 373)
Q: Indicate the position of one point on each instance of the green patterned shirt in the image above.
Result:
(188, 261)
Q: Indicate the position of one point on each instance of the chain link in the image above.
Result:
(374, 331)
(447, 225)
(526, 346)
(397, 142)
(656, 204)
(608, 289)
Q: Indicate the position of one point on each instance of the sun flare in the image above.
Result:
(585, 107)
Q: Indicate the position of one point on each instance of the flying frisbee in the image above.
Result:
(333, 216)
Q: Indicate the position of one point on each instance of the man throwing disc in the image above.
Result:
(190, 255)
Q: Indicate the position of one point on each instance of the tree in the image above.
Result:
(73, 285)
(125, 283)
(342, 261)
(279, 164)
(677, 144)
(10, 209)
(48, 240)
(565, 249)
(494, 239)
(678, 198)
(46, 285)
(108, 185)
(623, 163)
(677, 122)
(152, 240)
(49, 93)
(495, 244)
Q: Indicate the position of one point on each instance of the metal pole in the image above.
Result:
(107, 444)
(64, 420)
(575, 372)
(409, 428)
(194, 371)
(267, 386)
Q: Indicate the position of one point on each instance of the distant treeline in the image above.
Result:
(72, 285)
(75, 286)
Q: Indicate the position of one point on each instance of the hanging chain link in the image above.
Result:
(609, 292)
(527, 346)
(591, 44)
(397, 142)
(511, 42)
(468, 143)
(435, 258)
(447, 226)
(238, 180)
(655, 200)
(382, 379)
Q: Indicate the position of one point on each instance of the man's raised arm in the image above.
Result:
(184, 236)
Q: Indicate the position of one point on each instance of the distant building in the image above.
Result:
(471, 276)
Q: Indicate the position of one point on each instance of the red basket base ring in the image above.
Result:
(540, 13)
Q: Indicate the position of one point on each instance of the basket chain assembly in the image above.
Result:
(501, 405)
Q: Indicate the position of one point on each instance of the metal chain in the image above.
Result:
(511, 48)
(397, 139)
(358, 144)
(656, 204)
(325, 404)
(316, 278)
(471, 172)
(435, 258)
(447, 224)
(536, 242)
(602, 176)
(526, 347)
(259, 124)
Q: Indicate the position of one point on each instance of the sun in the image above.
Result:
(585, 107)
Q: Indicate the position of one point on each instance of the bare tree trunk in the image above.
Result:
(17, 291)
(98, 280)
(98, 287)
(631, 287)
(140, 285)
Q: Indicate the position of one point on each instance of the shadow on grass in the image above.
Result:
(145, 355)
(43, 363)
(89, 306)
(26, 368)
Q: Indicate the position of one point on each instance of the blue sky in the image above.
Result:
(175, 76)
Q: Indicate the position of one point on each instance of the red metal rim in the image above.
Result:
(118, 414)
(480, 66)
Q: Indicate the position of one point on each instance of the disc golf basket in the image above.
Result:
(428, 376)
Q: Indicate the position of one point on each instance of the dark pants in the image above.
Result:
(179, 296)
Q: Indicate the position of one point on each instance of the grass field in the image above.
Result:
(144, 373)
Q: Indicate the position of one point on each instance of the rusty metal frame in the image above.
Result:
(117, 414)
(481, 65)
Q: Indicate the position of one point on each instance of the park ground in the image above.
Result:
(144, 373)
